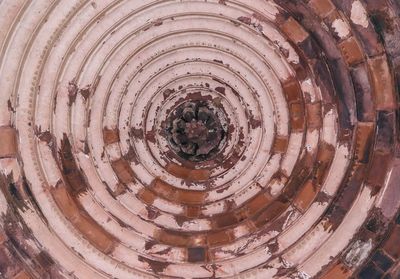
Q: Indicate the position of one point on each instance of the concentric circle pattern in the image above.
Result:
(199, 139)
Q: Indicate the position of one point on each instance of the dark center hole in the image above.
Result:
(194, 130)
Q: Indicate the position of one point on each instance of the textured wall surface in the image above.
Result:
(199, 139)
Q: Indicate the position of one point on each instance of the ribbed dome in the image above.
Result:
(199, 139)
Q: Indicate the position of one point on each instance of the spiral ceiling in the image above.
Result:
(199, 139)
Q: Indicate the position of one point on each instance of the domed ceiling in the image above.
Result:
(199, 139)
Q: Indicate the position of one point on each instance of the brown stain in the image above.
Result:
(220, 238)
(364, 141)
(382, 83)
(88, 227)
(363, 93)
(10, 106)
(244, 19)
(306, 196)
(72, 174)
(174, 194)
(156, 266)
(110, 136)
(158, 22)
(292, 90)
(151, 135)
(189, 174)
(297, 179)
(193, 211)
(338, 271)
(220, 90)
(72, 89)
(45, 136)
(146, 196)
(13, 191)
(297, 116)
(152, 213)
(137, 133)
(314, 116)
(168, 92)
(385, 132)
(259, 202)
(294, 30)
(150, 244)
(224, 220)
(322, 198)
(180, 220)
(379, 169)
(351, 51)
(86, 92)
(325, 155)
(275, 209)
(131, 155)
(254, 123)
(123, 171)
(280, 144)
(173, 238)
(9, 144)
(322, 7)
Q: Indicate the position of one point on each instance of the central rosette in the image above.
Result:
(194, 130)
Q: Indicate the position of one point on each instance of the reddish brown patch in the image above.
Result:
(379, 169)
(280, 144)
(193, 211)
(22, 275)
(8, 146)
(123, 171)
(179, 196)
(383, 83)
(351, 50)
(292, 91)
(364, 140)
(221, 237)
(110, 136)
(275, 209)
(306, 196)
(339, 271)
(92, 231)
(294, 30)
(258, 203)
(297, 116)
(322, 7)
(146, 196)
(173, 239)
(186, 173)
(314, 116)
